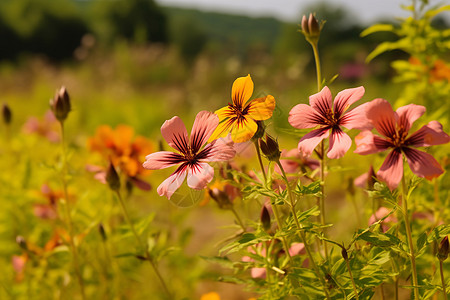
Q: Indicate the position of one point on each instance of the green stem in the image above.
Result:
(318, 69)
(441, 268)
(274, 206)
(410, 240)
(238, 218)
(258, 154)
(322, 195)
(142, 246)
(73, 247)
(351, 277)
(301, 230)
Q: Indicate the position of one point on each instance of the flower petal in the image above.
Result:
(346, 98)
(261, 108)
(162, 160)
(199, 175)
(391, 171)
(368, 143)
(304, 116)
(225, 112)
(356, 118)
(242, 90)
(408, 114)
(221, 149)
(172, 183)
(243, 130)
(428, 135)
(340, 142)
(310, 140)
(321, 101)
(204, 125)
(422, 164)
(175, 134)
(383, 118)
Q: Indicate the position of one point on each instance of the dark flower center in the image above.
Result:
(330, 118)
(398, 137)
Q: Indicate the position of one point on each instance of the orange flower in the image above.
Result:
(119, 146)
(210, 296)
(240, 116)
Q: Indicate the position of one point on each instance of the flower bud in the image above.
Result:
(259, 131)
(102, 232)
(311, 28)
(344, 253)
(20, 240)
(112, 178)
(60, 104)
(270, 148)
(6, 113)
(265, 218)
(443, 249)
(221, 198)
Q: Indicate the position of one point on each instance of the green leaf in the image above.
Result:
(380, 239)
(377, 28)
(247, 239)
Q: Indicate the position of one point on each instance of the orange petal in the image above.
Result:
(243, 131)
(225, 112)
(222, 129)
(242, 90)
(261, 108)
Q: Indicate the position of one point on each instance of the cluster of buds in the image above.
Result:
(311, 28)
(60, 104)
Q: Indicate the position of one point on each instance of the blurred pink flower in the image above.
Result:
(381, 213)
(192, 157)
(294, 161)
(329, 119)
(48, 127)
(395, 126)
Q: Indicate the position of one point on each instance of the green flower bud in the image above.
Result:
(60, 104)
(270, 148)
(112, 178)
(6, 113)
(443, 249)
(265, 218)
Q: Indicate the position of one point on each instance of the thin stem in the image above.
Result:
(274, 206)
(238, 218)
(351, 277)
(410, 240)
(322, 195)
(68, 217)
(396, 289)
(142, 246)
(441, 268)
(258, 154)
(318, 69)
(301, 230)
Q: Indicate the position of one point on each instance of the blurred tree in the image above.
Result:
(188, 36)
(138, 21)
(52, 28)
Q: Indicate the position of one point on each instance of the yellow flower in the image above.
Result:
(210, 296)
(240, 116)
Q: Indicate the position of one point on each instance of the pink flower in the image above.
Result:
(329, 119)
(381, 213)
(395, 126)
(192, 156)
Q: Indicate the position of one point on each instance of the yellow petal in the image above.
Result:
(222, 130)
(242, 90)
(243, 131)
(224, 112)
(261, 108)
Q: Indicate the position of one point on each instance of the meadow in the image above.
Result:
(88, 212)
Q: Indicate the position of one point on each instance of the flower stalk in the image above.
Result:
(412, 255)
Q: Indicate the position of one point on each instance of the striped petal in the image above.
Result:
(321, 102)
(199, 176)
(304, 116)
(428, 135)
(172, 183)
(391, 171)
(175, 134)
(310, 140)
(242, 90)
(383, 118)
(346, 98)
(340, 142)
(243, 130)
(162, 160)
(204, 125)
(423, 164)
(368, 143)
(408, 114)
